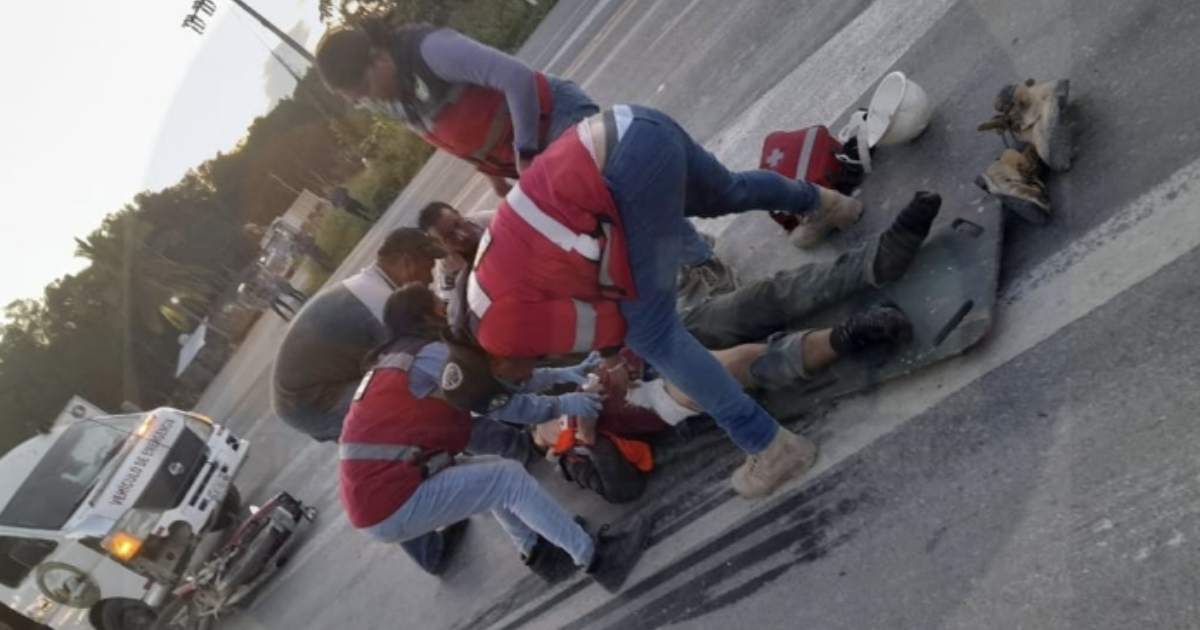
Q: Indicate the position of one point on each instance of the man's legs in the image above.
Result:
(783, 361)
(523, 508)
(755, 311)
(784, 300)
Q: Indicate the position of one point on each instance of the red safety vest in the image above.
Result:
(477, 127)
(389, 436)
(552, 266)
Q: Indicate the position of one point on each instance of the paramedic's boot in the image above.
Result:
(1013, 179)
(787, 456)
(1033, 113)
(616, 553)
(447, 540)
(899, 244)
(834, 211)
(549, 562)
(883, 324)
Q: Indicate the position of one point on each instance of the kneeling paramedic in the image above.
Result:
(398, 448)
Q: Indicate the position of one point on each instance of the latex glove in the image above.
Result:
(578, 374)
(580, 404)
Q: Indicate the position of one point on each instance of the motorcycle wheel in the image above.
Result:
(181, 614)
(252, 560)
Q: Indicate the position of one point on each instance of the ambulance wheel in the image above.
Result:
(230, 510)
(126, 614)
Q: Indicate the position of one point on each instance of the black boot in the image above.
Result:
(617, 553)
(898, 246)
(881, 324)
(549, 562)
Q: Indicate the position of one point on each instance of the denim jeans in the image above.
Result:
(571, 105)
(503, 487)
(487, 438)
(658, 176)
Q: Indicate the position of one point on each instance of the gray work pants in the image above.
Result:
(764, 312)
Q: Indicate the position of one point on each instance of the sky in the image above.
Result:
(107, 99)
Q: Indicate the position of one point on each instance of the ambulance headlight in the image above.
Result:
(122, 545)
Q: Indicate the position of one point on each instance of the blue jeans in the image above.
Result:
(487, 438)
(571, 105)
(659, 176)
(503, 487)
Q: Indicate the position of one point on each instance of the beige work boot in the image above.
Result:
(788, 455)
(835, 211)
(1013, 179)
(1033, 113)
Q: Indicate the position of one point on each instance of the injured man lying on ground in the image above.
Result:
(756, 332)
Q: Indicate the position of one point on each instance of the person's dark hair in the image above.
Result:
(410, 311)
(342, 57)
(344, 52)
(430, 213)
(408, 241)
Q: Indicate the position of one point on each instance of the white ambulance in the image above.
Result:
(99, 517)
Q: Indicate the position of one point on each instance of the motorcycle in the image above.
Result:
(256, 550)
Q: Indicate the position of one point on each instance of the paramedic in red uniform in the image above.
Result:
(398, 471)
(476, 102)
(473, 101)
(583, 254)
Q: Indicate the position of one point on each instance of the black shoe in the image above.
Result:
(898, 246)
(617, 553)
(549, 562)
(452, 537)
(878, 325)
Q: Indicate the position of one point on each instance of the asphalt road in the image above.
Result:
(1044, 480)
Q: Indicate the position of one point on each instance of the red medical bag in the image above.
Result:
(809, 154)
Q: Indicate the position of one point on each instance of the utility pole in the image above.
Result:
(205, 8)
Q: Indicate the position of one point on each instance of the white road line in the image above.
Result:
(600, 6)
(670, 26)
(646, 18)
(595, 42)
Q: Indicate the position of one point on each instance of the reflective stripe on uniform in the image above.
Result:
(550, 228)
(585, 326)
(484, 241)
(477, 298)
(379, 452)
(624, 117)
